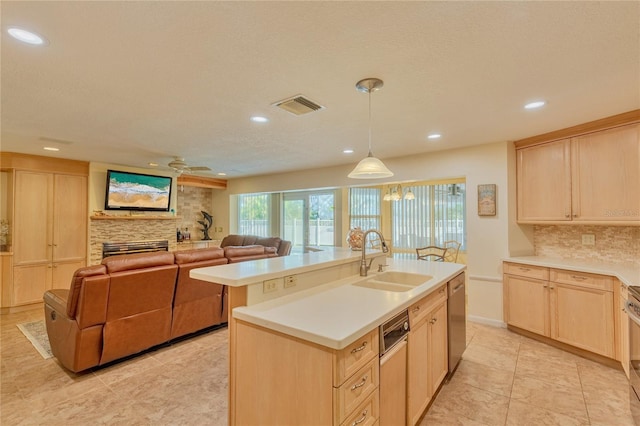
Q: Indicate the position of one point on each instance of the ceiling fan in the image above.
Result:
(180, 166)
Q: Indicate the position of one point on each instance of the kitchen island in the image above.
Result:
(295, 349)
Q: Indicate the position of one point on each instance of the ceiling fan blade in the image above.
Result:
(198, 168)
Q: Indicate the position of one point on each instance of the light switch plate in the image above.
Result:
(269, 285)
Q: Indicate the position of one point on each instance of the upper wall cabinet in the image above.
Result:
(593, 178)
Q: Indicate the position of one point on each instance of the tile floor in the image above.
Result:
(503, 379)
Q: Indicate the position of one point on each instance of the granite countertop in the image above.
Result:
(337, 313)
(627, 274)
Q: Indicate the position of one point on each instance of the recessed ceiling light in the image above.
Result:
(434, 136)
(153, 164)
(51, 148)
(534, 105)
(222, 174)
(25, 36)
(259, 119)
(348, 151)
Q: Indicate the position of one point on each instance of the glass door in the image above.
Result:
(309, 220)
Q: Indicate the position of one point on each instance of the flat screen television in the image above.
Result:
(137, 191)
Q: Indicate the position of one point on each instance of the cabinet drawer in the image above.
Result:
(355, 356)
(582, 279)
(355, 390)
(538, 272)
(366, 414)
(421, 308)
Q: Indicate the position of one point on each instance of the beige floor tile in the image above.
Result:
(560, 372)
(468, 402)
(118, 371)
(523, 414)
(564, 400)
(484, 377)
(503, 358)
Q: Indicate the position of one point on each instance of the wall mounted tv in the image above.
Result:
(137, 191)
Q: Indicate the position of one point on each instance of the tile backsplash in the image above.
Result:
(615, 244)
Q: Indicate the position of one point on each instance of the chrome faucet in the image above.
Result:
(364, 268)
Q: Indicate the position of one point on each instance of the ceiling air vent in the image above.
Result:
(298, 105)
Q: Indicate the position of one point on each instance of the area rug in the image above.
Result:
(36, 332)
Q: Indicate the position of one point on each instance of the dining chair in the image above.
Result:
(432, 253)
(453, 248)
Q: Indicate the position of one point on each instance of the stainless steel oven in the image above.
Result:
(633, 311)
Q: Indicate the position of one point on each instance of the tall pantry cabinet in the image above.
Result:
(49, 229)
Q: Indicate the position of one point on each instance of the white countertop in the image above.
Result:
(337, 313)
(243, 273)
(627, 274)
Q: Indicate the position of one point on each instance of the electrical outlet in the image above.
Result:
(290, 281)
(269, 285)
(588, 239)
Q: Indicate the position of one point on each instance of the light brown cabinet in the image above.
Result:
(427, 352)
(574, 308)
(49, 233)
(393, 386)
(591, 178)
(623, 343)
(284, 380)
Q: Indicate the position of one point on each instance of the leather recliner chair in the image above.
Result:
(112, 310)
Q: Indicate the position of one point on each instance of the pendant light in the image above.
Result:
(370, 167)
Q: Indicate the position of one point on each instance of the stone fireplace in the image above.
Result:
(122, 229)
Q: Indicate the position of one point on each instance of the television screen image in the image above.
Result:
(136, 191)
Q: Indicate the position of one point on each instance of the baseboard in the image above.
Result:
(487, 321)
(21, 308)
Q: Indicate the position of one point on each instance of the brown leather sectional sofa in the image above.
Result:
(130, 303)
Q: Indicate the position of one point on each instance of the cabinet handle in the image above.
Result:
(433, 320)
(525, 269)
(361, 384)
(551, 287)
(575, 215)
(353, 351)
(567, 215)
(442, 290)
(578, 277)
(361, 419)
(416, 309)
(545, 286)
(49, 245)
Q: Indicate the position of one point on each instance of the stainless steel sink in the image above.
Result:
(394, 281)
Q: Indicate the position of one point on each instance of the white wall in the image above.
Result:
(487, 236)
(98, 182)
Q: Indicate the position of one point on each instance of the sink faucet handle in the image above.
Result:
(381, 267)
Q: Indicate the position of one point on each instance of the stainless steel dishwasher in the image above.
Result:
(456, 321)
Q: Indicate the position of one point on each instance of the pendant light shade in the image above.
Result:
(370, 167)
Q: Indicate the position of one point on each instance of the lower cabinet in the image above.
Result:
(623, 345)
(284, 380)
(393, 386)
(571, 307)
(31, 281)
(427, 352)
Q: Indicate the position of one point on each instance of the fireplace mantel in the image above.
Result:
(141, 217)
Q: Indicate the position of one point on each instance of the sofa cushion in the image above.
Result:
(232, 240)
(76, 284)
(137, 261)
(269, 242)
(241, 251)
(198, 255)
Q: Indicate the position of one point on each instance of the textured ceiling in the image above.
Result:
(133, 82)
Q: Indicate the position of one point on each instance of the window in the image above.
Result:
(309, 219)
(437, 214)
(253, 214)
(364, 208)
